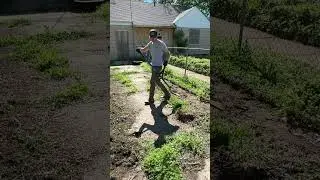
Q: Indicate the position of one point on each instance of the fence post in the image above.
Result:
(243, 13)
(185, 68)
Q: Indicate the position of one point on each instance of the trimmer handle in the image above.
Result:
(138, 51)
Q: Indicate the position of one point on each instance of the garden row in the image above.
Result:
(284, 82)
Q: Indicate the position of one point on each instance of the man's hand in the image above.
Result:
(165, 58)
(145, 49)
(165, 63)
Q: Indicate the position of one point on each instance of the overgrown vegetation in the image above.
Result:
(103, 12)
(16, 22)
(164, 163)
(198, 65)
(178, 104)
(180, 40)
(284, 82)
(39, 52)
(47, 37)
(291, 19)
(124, 78)
(71, 94)
(193, 85)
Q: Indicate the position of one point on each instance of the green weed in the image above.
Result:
(46, 37)
(163, 163)
(187, 142)
(123, 77)
(43, 58)
(73, 93)
(38, 51)
(178, 104)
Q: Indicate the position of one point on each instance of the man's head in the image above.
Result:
(153, 34)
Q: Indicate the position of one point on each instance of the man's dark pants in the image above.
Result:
(155, 79)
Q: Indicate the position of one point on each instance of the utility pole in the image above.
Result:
(243, 15)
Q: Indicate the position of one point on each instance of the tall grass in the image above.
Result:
(284, 82)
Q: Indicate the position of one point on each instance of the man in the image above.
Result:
(160, 56)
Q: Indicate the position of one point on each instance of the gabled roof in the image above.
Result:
(143, 14)
(192, 18)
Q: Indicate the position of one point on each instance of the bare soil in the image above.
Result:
(38, 140)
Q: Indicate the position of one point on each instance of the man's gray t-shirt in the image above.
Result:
(157, 49)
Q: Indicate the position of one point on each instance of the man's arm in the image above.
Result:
(145, 49)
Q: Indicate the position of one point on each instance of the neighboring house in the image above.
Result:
(130, 22)
(196, 28)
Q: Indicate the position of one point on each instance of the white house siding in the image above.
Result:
(204, 41)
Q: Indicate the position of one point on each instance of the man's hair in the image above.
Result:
(153, 33)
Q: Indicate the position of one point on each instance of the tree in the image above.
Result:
(203, 5)
(180, 40)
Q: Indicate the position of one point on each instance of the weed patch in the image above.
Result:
(178, 104)
(52, 37)
(164, 163)
(123, 77)
(46, 37)
(38, 51)
(71, 94)
(43, 58)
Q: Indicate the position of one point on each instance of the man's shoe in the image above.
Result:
(149, 102)
(167, 97)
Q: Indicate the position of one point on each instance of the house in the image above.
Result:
(196, 28)
(131, 20)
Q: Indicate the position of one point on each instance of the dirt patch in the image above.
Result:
(185, 118)
(123, 147)
(41, 141)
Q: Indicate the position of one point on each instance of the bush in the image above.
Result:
(198, 65)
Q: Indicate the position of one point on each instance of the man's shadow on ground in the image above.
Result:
(161, 125)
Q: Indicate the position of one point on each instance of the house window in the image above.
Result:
(194, 36)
